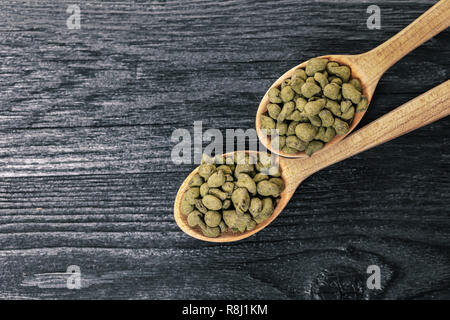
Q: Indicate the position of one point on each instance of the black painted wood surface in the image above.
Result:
(86, 177)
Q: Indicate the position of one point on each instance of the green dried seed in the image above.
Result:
(334, 79)
(274, 95)
(327, 118)
(321, 79)
(206, 170)
(226, 204)
(191, 194)
(235, 220)
(217, 179)
(342, 72)
(218, 193)
(251, 225)
(300, 103)
(289, 150)
(194, 218)
(210, 232)
(222, 226)
(287, 109)
(340, 126)
(330, 133)
(311, 80)
(334, 107)
(312, 108)
(204, 189)
(279, 182)
(291, 128)
(296, 85)
(243, 168)
(348, 115)
(320, 133)
(256, 205)
(345, 105)
(349, 92)
(241, 199)
(211, 202)
(266, 211)
(260, 177)
(310, 89)
(299, 73)
(305, 131)
(267, 124)
(266, 188)
(285, 82)
(185, 207)
(199, 206)
(362, 105)
(212, 218)
(332, 91)
(313, 146)
(228, 187)
(315, 121)
(295, 143)
(356, 84)
(325, 134)
(287, 94)
(245, 181)
(196, 181)
(273, 110)
(282, 128)
(225, 168)
(295, 116)
(315, 65)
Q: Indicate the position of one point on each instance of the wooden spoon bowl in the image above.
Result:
(229, 235)
(427, 108)
(370, 66)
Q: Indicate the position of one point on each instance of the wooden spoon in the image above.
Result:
(370, 66)
(427, 108)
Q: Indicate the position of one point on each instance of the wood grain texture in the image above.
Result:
(86, 177)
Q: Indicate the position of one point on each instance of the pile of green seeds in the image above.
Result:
(234, 192)
(314, 105)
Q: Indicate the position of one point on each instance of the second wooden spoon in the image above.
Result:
(368, 67)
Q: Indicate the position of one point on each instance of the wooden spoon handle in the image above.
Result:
(381, 58)
(427, 108)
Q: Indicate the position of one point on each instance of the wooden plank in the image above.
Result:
(86, 177)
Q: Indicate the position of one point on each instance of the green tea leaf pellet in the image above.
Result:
(305, 131)
(350, 92)
(340, 126)
(213, 218)
(211, 202)
(310, 89)
(196, 181)
(362, 105)
(273, 110)
(315, 65)
(274, 95)
(287, 94)
(295, 143)
(313, 108)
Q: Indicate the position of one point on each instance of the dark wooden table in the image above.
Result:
(86, 177)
